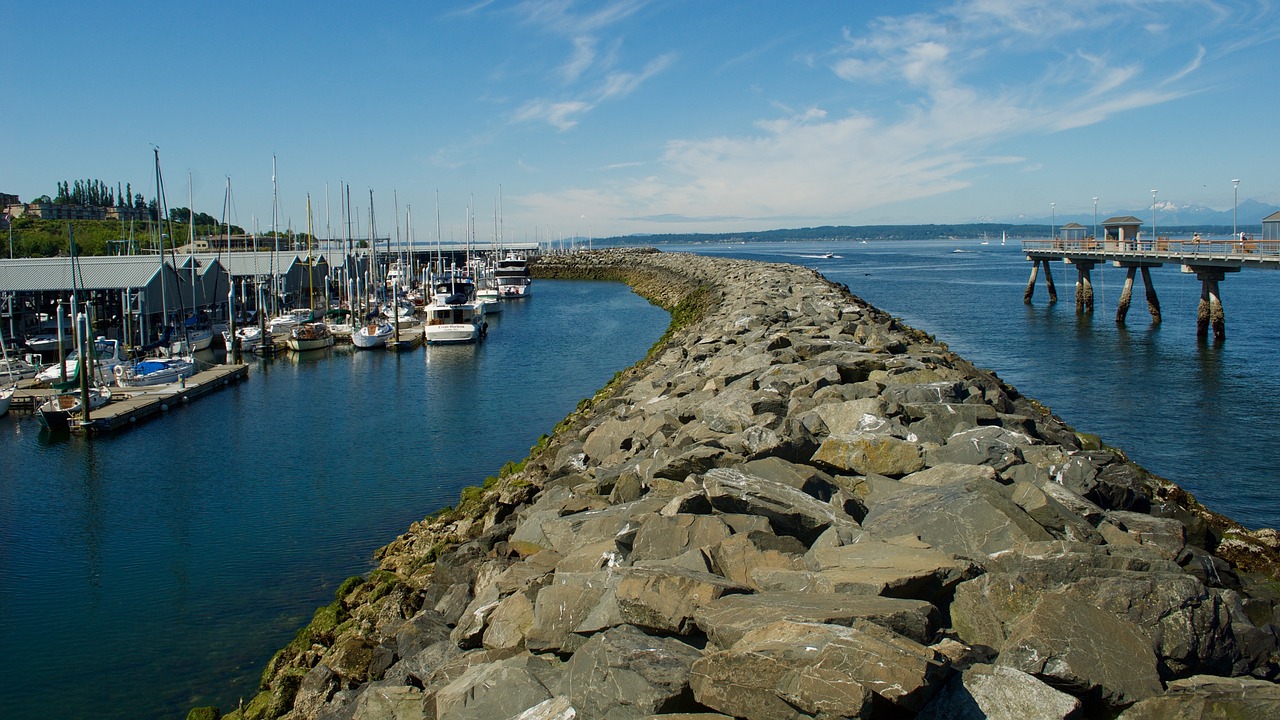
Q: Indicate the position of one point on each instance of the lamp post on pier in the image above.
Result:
(1053, 221)
(1235, 208)
(1154, 234)
(1095, 218)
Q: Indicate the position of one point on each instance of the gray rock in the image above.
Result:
(948, 473)
(563, 607)
(624, 673)
(490, 690)
(661, 537)
(867, 452)
(994, 446)
(1206, 697)
(1084, 650)
(740, 556)
(987, 692)
(727, 619)
(971, 519)
(794, 670)
(664, 599)
(891, 570)
(789, 511)
(1166, 535)
(380, 701)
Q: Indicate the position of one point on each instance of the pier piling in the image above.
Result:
(1153, 302)
(1126, 295)
(1209, 313)
(1084, 287)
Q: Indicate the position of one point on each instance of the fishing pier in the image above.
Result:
(1124, 246)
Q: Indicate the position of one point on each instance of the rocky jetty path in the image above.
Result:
(798, 507)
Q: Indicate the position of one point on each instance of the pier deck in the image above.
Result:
(1226, 254)
(129, 405)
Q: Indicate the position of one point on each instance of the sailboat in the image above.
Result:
(56, 413)
(6, 394)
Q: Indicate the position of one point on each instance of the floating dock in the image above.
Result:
(130, 405)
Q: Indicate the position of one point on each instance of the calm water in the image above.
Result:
(157, 569)
(1204, 415)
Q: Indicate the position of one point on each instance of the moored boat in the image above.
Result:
(107, 354)
(155, 371)
(310, 336)
(58, 412)
(512, 272)
(372, 335)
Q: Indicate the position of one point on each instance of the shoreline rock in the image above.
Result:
(791, 483)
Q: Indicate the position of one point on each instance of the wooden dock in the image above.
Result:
(130, 405)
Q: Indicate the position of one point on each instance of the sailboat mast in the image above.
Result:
(164, 299)
(275, 238)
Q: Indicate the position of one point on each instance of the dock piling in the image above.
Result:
(1209, 313)
(1084, 287)
(1153, 302)
(1126, 295)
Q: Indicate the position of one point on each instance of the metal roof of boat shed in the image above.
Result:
(95, 273)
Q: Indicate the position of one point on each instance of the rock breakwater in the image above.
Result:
(797, 507)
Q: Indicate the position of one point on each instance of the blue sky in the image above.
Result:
(648, 116)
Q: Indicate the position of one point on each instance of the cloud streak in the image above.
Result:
(968, 77)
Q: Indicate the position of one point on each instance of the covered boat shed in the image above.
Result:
(130, 295)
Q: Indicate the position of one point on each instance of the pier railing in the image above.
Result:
(1262, 253)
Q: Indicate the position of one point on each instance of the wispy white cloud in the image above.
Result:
(960, 80)
(560, 115)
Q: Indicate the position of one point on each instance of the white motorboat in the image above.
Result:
(195, 341)
(453, 315)
(155, 371)
(6, 397)
(372, 335)
(310, 336)
(43, 343)
(512, 272)
(13, 369)
(107, 354)
(282, 324)
(453, 324)
(58, 411)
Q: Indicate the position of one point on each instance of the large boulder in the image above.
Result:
(987, 692)
(1086, 651)
(1205, 697)
(624, 673)
(790, 511)
(795, 670)
(664, 599)
(727, 619)
(882, 568)
(973, 519)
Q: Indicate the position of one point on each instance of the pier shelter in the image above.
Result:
(1271, 227)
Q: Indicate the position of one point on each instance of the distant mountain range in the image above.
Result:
(1249, 213)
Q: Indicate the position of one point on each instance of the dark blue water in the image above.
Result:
(160, 568)
(1204, 415)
